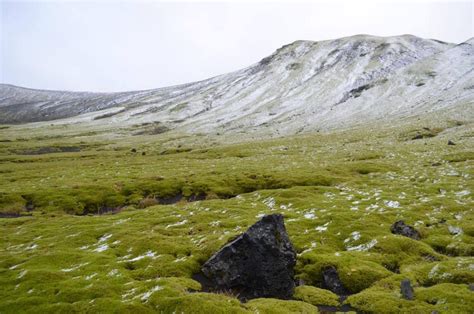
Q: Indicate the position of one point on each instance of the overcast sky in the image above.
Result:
(112, 46)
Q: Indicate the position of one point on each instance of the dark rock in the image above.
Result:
(430, 258)
(197, 197)
(403, 229)
(332, 282)
(293, 66)
(133, 150)
(10, 215)
(143, 153)
(451, 142)
(29, 206)
(179, 197)
(170, 199)
(258, 263)
(406, 290)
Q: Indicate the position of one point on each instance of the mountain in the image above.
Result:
(303, 86)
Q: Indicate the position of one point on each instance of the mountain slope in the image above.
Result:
(303, 86)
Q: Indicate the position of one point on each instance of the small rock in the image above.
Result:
(258, 263)
(403, 229)
(406, 289)
(454, 230)
(332, 282)
(133, 150)
(451, 142)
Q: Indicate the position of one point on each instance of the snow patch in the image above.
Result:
(179, 223)
(105, 237)
(22, 274)
(392, 204)
(146, 295)
(101, 248)
(363, 247)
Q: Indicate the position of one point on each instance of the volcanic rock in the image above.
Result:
(332, 282)
(406, 289)
(258, 263)
(399, 227)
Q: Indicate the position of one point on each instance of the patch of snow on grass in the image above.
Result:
(22, 274)
(179, 223)
(214, 223)
(182, 259)
(270, 202)
(462, 193)
(31, 247)
(310, 216)
(433, 272)
(121, 221)
(113, 272)
(67, 270)
(392, 204)
(89, 277)
(363, 247)
(105, 237)
(101, 248)
(322, 228)
(149, 254)
(146, 295)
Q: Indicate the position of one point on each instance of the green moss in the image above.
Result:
(316, 296)
(11, 204)
(421, 133)
(448, 297)
(275, 306)
(338, 193)
(355, 272)
(456, 270)
(459, 156)
(385, 297)
(200, 303)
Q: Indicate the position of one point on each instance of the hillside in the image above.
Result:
(304, 86)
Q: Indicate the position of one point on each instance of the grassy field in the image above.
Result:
(101, 223)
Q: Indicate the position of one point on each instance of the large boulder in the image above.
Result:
(403, 229)
(258, 263)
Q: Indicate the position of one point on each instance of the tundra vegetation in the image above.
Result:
(98, 223)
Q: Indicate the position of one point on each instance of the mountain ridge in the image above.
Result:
(302, 86)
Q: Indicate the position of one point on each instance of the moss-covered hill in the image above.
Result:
(339, 193)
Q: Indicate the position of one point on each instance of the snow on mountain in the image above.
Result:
(303, 86)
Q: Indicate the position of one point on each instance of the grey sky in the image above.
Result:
(118, 46)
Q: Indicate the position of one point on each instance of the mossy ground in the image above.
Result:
(339, 193)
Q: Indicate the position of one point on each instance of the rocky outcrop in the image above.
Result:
(332, 282)
(403, 229)
(258, 263)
